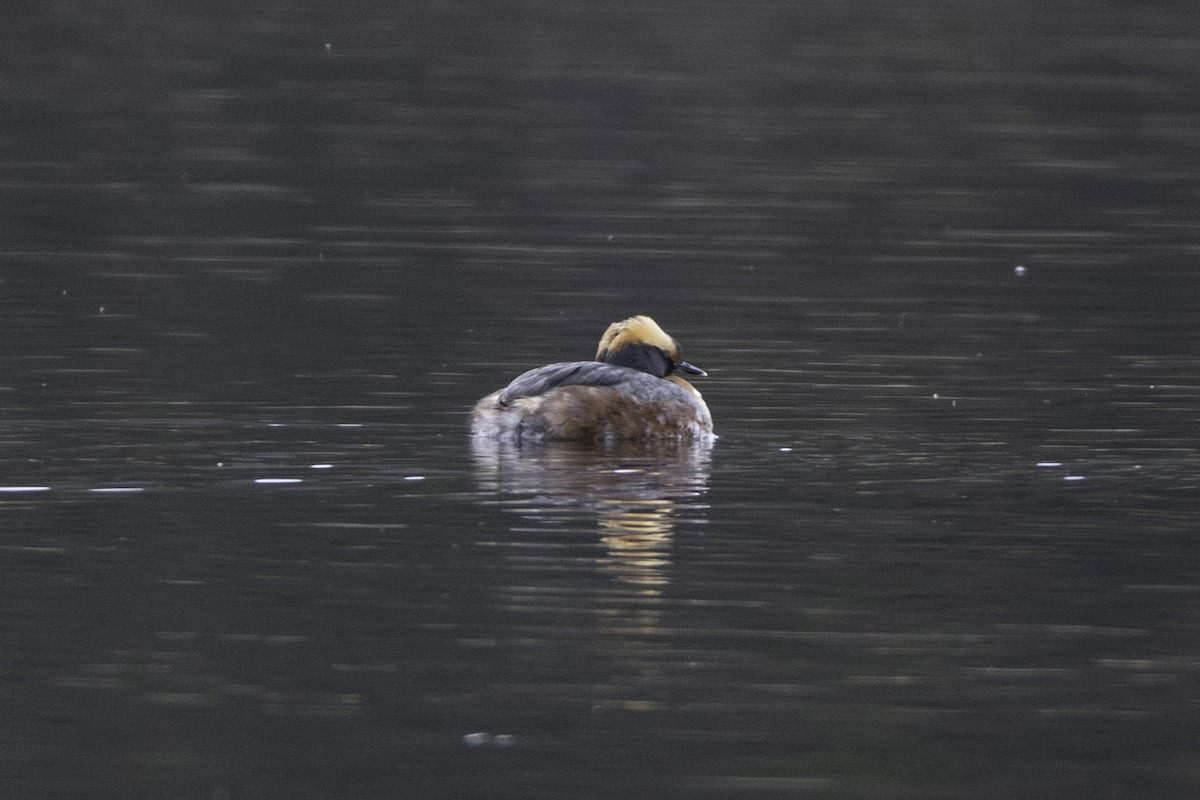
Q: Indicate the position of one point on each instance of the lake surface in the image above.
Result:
(939, 260)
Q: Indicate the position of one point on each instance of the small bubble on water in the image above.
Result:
(1019, 269)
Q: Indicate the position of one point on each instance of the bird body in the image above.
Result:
(630, 392)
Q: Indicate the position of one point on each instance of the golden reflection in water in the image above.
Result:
(634, 493)
(638, 536)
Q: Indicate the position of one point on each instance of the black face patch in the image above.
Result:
(642, 357)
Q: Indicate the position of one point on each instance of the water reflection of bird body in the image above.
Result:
(631, 392)
(634, 491)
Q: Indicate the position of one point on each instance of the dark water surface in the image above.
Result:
(939, 259)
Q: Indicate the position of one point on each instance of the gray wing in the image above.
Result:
(572, 373)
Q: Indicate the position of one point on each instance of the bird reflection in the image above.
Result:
(634, 492)
(619, 506)
(638, 540)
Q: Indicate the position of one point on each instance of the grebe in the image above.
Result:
(630, 392)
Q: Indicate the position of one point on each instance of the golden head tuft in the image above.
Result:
(636, 330)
